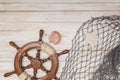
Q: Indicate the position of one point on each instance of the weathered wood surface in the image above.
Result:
(20, 21)
(85, 7)
(57, 1)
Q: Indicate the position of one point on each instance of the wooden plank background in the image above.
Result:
(20, 21)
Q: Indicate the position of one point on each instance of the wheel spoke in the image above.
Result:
(34, 74)
(41, 34)
(14, 45)
(9, 73)
(38, 54)
(45, 60)
(29, 57)
(28, 66)
(44, 69)
(63, 52)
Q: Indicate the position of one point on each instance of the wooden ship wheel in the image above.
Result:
(36, 63)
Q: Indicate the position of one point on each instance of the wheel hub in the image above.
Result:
(36, 63)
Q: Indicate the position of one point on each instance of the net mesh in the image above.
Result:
(95, 52)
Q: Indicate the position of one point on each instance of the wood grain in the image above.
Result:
(21, 20)
(85, 7)
(57, 1)
(48, 16)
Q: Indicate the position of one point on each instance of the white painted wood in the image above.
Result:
(67, 32)
(56, 1)
(20, 21)
(34, 26)
(51, 16)
(60, 7)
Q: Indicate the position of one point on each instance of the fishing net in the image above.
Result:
(95, 52)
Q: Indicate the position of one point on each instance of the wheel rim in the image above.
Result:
(35, 45)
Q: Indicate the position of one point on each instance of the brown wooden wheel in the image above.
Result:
(36, 63)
